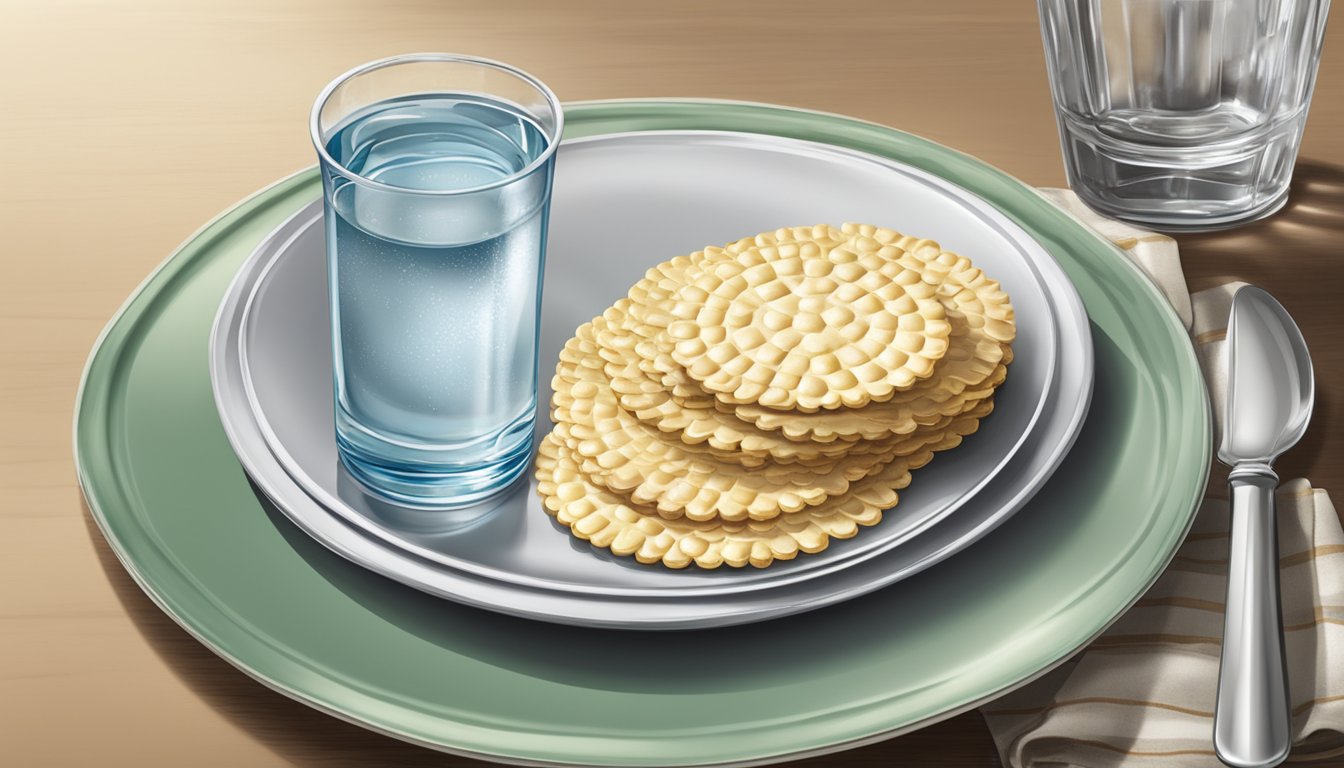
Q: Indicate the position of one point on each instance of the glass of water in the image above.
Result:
(436, 172)
(1182, 114)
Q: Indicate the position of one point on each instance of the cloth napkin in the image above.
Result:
(1142, 694)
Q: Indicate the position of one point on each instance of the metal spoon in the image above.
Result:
(1270, 391)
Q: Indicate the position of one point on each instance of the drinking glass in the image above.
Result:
(1182, 114)
(436, 173)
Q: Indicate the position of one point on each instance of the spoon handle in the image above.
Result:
(1251, 725)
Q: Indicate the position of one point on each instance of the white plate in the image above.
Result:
(670, 193)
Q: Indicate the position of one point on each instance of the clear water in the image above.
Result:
(1186, 114)
(435, 297)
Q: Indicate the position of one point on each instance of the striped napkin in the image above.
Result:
(1142, 694)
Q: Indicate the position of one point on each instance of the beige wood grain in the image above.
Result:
(125, 124)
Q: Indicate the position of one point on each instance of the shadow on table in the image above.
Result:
(299, 734)
(1298, 255)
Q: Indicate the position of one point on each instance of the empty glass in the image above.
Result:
(436, 170)
(1182, 114)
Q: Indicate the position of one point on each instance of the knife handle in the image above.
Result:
(1251, 723)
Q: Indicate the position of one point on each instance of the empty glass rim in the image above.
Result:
(315, 128)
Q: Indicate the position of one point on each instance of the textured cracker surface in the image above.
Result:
(619, 452)
(611, 521)
(795, 326)
(746, 403)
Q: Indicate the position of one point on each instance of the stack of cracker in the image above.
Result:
(746, 403)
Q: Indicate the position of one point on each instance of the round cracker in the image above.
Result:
(977, 308)
(980, 311)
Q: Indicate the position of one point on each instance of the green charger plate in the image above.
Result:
(180, 514)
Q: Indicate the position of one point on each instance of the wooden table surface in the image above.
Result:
(130, 123)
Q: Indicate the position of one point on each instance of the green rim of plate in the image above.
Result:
(178, 511)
